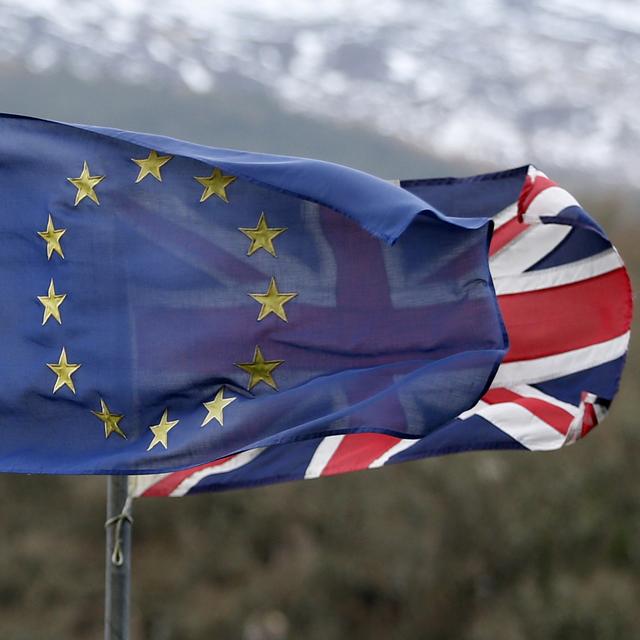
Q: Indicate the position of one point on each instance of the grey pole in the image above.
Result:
(118, 559)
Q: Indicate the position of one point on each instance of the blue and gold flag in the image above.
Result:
(166, 304)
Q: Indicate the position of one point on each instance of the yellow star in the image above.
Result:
(64, 370)
(111, 420)
(262, 236)
(51, 303)
(52, 236)
(151, 165)
(260, 369)
(85, 183)
(161, 430)
(273, 301)
(215, 184)
(215, 407)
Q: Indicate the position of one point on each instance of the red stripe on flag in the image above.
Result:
(589, 420)
(505, 234)
(166, 485)
(572, 316)
(531, 189)
(553, 415)
(358, 451)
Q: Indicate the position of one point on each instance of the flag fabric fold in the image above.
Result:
(167, 304)
(566, 300)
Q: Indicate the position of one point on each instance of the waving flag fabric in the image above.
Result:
(166, 304)
(566, 301)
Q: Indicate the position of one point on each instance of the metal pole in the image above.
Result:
(118, 559)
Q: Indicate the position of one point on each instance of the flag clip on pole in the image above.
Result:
(118, 559)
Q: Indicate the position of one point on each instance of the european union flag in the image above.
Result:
(165, 304)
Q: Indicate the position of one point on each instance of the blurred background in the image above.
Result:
(477, 546)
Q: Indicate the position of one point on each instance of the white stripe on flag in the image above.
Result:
(471, 412)
(529, 247)
(139, 484)
(528, 391)
(562, 364)
(557, 276)
(523, 426)
(323, 453)
(232, 464)
(404, 444)
(549, 202)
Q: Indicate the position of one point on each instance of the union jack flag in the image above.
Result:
(565, 297)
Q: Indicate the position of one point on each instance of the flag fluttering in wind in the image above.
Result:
(566, 300)
(166, 305)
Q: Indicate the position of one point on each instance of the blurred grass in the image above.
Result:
(485, 546)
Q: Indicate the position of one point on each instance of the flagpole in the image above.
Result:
(118, 559)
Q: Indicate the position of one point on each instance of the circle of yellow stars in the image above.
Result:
(272, 301)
